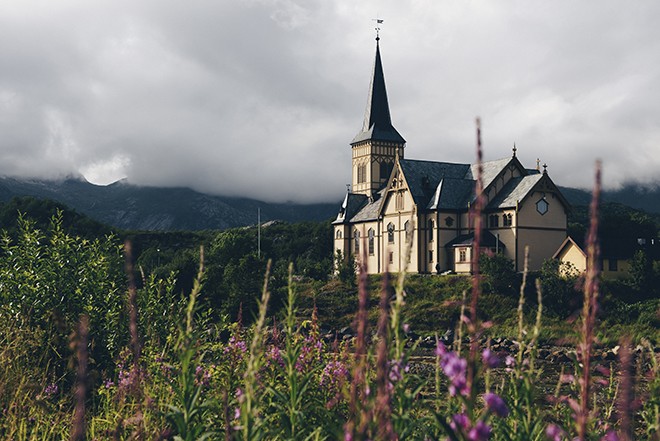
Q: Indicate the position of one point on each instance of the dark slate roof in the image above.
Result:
(490, 170)
(377, 122)
(515, 190)
(452, 194)
(351, 205)
(423, 177)
(371, 209)
(487, 240)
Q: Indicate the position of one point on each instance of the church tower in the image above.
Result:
(378, 144)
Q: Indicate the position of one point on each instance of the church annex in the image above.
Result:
(393, 201)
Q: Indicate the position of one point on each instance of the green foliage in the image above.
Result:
(345, 268)
(643, 278)
(560, 284)
(498, 273)
(48, 280)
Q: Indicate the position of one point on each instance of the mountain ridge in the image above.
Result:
(133, 207)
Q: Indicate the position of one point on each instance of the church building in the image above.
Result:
(395, 201)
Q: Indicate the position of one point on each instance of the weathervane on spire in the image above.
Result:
(378, 21)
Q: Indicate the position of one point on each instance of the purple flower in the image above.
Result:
(496, 404)
(460, 420)
(51, 390)
(440, 349)
(455, 368)
(480, 432)
(490, 359)
(610, 436)
(554, 432)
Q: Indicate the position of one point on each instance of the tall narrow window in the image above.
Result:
(361, 174)
(390, 232)
(338, 234)
(408, 230)
(357, 242)
(399, 201)
(430, 255)
(371, 241)
(462, 255)
(431, 230)
(507, 220)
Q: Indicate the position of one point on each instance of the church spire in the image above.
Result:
(377, 124)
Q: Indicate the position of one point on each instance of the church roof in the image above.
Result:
(377, 122)
(370, 208)
(452, 194)
(488, 240)
(423, 177)
(352, 203)
(489, 170)
(514, 191)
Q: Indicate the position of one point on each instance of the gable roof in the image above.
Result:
(423, 177)
(490, 170)
(377, 122)
(351, 205)
(514, 191)
(452, 194)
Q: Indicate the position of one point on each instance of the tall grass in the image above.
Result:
(284, 381)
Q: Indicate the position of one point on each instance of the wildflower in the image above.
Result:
(460, 420)
(490, 359)
(406, 328)
(496, 404)
(440, 349)
(274, 356)
(480, 432)
(455, 368)
(51, 390)
(554, 432)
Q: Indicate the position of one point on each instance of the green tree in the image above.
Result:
(642, 275)
(560, 283)
(499, 275)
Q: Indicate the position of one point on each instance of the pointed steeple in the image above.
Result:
(377, 124)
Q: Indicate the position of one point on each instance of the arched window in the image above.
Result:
(431, 230)
(390, 232)
(357, 242)
(507, 220)
(408, 230)
(371, 241)
(338, 235)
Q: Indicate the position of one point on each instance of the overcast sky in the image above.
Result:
(261, 98)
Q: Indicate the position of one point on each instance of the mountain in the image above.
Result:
(646, 198)
(133, 207)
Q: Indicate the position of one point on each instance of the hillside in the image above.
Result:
(132, 207)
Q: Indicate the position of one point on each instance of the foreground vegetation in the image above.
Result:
(87, 352)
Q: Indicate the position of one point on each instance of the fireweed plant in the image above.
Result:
(145, 366)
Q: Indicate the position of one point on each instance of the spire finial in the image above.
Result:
(545, 169)
(348, 188)
(538, 164)
(514, 149)
(378, 21)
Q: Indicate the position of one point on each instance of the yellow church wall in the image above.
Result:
(543, 233)
(574, 256)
